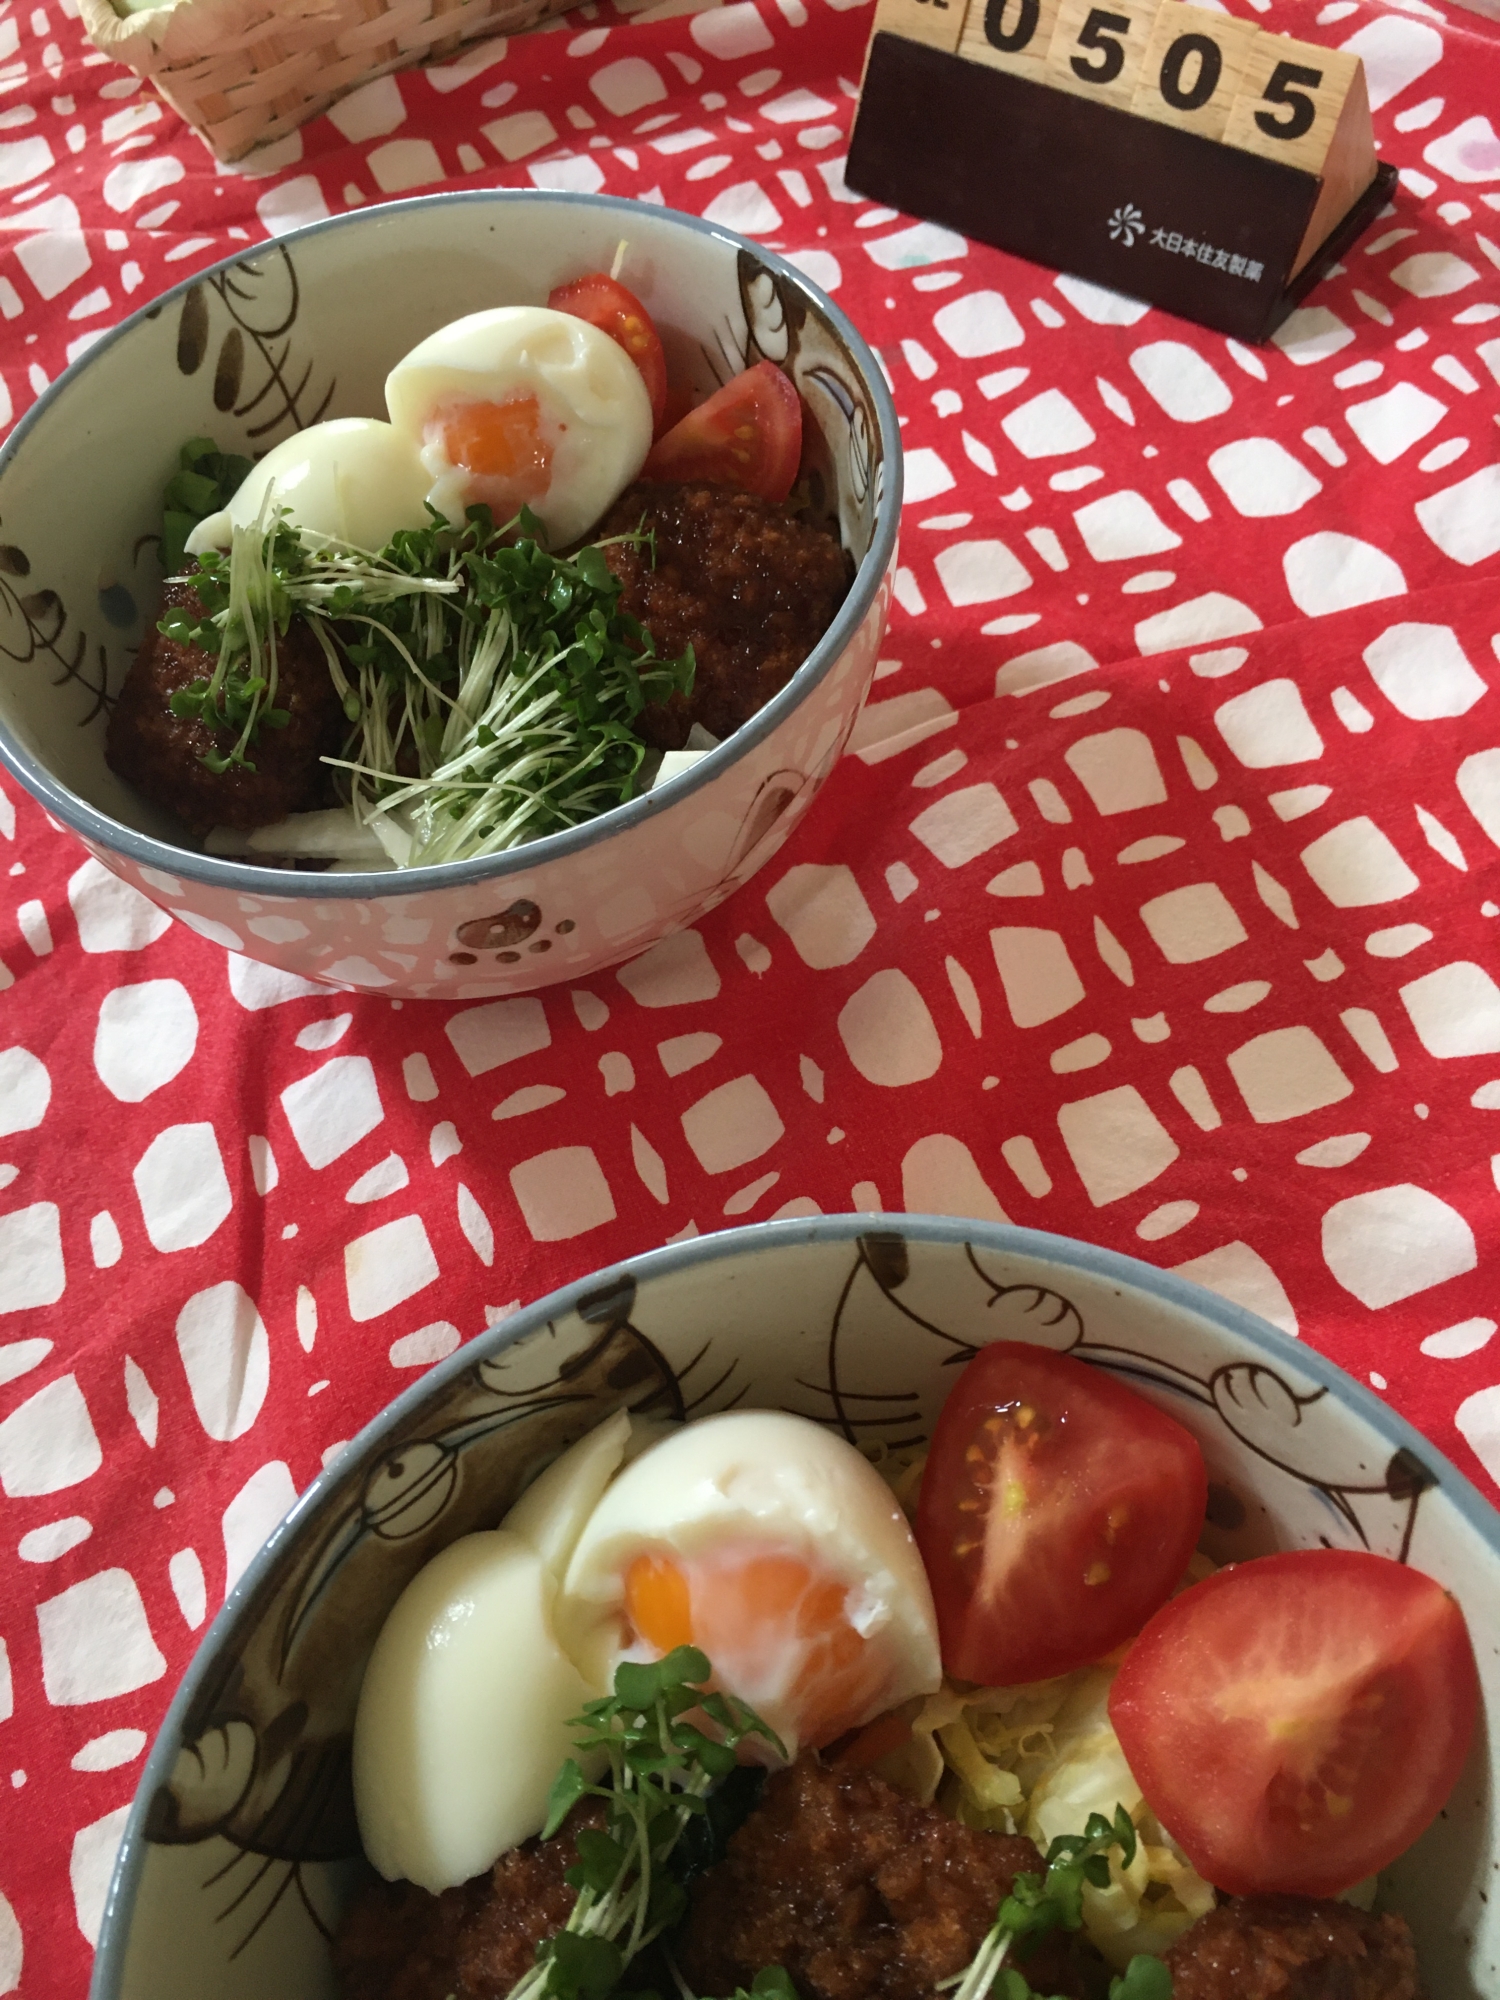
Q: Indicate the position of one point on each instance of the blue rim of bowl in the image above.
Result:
(215, 872)
(1001, 1238)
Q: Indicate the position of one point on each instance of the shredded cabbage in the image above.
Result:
(1150, 1904)
(1038, 1760)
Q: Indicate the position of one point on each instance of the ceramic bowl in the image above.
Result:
(241, 1841)
(306, 328)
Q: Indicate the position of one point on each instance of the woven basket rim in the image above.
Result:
(243, 73)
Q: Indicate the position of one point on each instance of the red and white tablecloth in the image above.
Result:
(1158, 902)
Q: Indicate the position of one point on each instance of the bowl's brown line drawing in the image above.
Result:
(876, 1255)
(1405, 1479)
(237, 298)
(707, 1394)
(31, 610)
(612, 1308)
(42, 615)
(230, 370)
(1066, 1313)
(268, 1865)
(435, 1458)
(192, 331)
(780, 328)
(291, 1879)
(326, 1773)
(309, 1815)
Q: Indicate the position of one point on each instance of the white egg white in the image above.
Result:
(463, 1717)
(766, 1482)
(594, 411)
(553, 1511)
(354, 479)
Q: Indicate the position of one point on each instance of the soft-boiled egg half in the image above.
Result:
(520, 406)
(761, 1538)
(463, 1716)
(777, 1549)
(523, 406)
(353, 479)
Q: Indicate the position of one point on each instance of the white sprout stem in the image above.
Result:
(335, 662)
(979, 1975)
(247, 556)
(248, 625)
(478, 686)
(496, 761)
(678, 1981)
(333, 567)
(451, 773)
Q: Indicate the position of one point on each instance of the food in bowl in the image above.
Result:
(773, 1545)
(523, 406)
(81, 480)
(1111, 1491)
(378, 624)
(237, 1859)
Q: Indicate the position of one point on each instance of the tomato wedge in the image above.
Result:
(1058, 1510)
(1295, 1722)
(604, 302)
(748, 434)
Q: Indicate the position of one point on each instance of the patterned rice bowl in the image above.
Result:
(241, 1843)
(306, 328)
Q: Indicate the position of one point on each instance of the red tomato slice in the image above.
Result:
(1058, 1509)
(1297, 1721)
(605, 303)
(748, 434)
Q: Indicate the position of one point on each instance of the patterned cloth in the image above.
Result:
(1157, 904)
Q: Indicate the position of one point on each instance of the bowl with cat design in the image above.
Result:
(242, 1847)
(303, 330)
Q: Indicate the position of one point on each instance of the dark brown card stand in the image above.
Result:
(1200, 228)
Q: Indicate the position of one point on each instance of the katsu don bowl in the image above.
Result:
(242, 1849)
(305, 330)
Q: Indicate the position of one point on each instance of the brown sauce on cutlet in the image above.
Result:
(861, 1893)
(398, 1942)
(161, 754)
(858, 1892)
(751, 586)
(1294, 1948)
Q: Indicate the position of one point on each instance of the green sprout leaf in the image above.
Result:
(601, 1862)
(659, 1770)
(1040, 1904)
(580, 1968)
(639, 1686)
(205, 480)
(772, 1982)
(568, 1787)
(1144, 1978)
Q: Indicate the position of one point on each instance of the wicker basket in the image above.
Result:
(244, 72)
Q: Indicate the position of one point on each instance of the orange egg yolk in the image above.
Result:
(774, 1629)
(503, 442)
